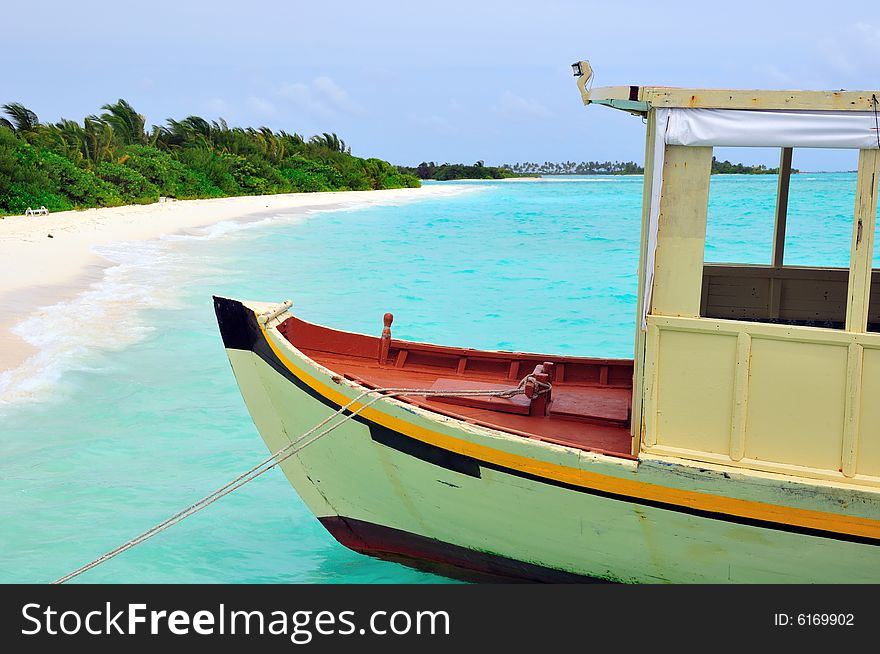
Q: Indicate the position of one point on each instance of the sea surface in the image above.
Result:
(131, 412)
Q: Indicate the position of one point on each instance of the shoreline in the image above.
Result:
(40, 271)
(536, 179)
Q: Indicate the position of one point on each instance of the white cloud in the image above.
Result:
(261, 106)
(436, 123)
(776, 74)
(322, 97)
(336, 96)
(516, 106)
(216, 105)
(853, 52)
(869, 33)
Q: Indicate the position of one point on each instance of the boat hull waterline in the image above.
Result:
(403, 483)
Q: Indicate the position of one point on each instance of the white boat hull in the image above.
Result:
(401, 483)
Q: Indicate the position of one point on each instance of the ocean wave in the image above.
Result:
(105, 316)
(226, 227)
(109, 314)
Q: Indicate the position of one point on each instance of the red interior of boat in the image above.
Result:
(587, 406)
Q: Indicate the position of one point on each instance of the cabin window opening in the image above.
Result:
(778, 252)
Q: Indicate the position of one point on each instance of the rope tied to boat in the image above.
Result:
(876, 120)
(344, 413)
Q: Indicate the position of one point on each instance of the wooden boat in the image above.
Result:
(740, 444)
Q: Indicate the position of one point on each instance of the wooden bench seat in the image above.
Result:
(517, 404)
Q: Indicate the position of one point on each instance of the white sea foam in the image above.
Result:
(105, 316)
(226, 227)
(108, 315)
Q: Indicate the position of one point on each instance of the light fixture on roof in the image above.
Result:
(583, 72)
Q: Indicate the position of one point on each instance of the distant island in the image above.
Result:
(627, 168)
(447, 171)
(112, 159)
(573, 168)
(727, 168)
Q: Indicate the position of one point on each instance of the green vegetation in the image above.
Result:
(572, 168)
(727, 168)
(112, 159)
(447, 171)
(627, 168)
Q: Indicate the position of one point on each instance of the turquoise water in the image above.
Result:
(126, 431)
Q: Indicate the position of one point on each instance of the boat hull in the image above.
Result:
(434, 492)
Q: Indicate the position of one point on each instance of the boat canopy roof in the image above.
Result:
(640, 99)
(706, 118)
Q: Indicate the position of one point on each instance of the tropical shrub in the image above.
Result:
(307, 176)
(82, 188)
(130, 184)
(113, 158)
(166, 173)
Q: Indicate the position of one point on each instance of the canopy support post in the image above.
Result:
(779, 228)
(858, 303)
(862, 250)
(636, 424)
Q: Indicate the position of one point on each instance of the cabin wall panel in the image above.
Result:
(681, 237)
(735, 297)
(806, 290)
(744, 292)
(694, 390)
(803, 399)
(737, 313)
(796, 403)
(868, 457)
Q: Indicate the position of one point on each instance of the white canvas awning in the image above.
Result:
(748, 128)
(788, 129)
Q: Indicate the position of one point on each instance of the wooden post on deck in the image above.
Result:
(779, 228)
(385, 340)
(781, 206)
(862, 249)
(681, 240)
(859, 301)
(636, 424)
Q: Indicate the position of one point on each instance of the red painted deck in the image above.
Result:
(590, 400)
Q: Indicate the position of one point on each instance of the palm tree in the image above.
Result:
(292, 138)
(198, 125)
(331, 142)
(89, 144)
(68, 136)
(275, 148)
(190, 130)
(23, 119)
(128, 125)
(100, 136)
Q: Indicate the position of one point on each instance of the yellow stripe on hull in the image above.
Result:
(841, 524)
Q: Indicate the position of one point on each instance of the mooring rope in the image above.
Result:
(876, 120)
(294, 447)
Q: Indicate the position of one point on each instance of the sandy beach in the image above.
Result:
(47, 259)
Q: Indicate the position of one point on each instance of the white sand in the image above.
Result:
(38, 271)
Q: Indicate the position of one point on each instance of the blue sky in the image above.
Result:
(443, 81)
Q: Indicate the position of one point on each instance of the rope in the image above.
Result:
(294, 447)
(876, 121)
